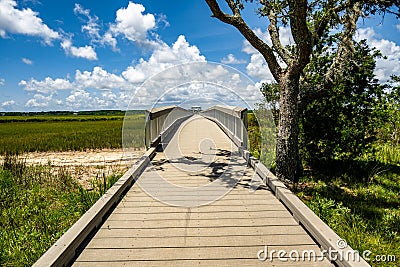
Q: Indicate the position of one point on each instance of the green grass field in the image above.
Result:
(21, 134)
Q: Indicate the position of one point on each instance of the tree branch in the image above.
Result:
(274, 33)
(237, 21)
(345, 46)
(233, 6)
(300, 32)
(330, 12)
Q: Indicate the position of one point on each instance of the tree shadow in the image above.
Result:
(231, 174)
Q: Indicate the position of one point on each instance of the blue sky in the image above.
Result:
(71, 55)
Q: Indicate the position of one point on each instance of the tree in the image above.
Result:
(344, 122)
(312, 23)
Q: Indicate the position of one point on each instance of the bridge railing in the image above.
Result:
(233, 120)
(160, 123)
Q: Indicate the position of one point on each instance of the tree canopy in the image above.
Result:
(317, 27)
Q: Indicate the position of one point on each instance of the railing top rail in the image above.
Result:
(232, 110)
(159, 111)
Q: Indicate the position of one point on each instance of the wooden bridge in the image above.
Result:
(198, 198)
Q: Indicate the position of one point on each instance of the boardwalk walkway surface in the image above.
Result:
(169, 217)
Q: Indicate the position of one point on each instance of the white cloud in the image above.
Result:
(82, 99)
(398, 27)
(8, 103)
(99, 79)
(2, 82)
(131, 23)
(163, 57)
(81, 52)
(258, 68)
(79, 98)
(119, 89)
(384, 67)
(230, 59)
(92, 28)
(25, 21)
(41, 101)
(27, 61)
(48, 85)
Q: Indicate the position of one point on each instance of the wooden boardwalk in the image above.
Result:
(200, 207)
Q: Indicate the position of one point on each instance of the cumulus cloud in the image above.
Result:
(108, 99)
(93, 28)
(2, 82)
(8, 103)
(257, 67)
(385, 67)
(42, 101)
(132, 23)
(176, 85)
(163, 57)
(197, 83)
(23, 21)
(99, 79)
(230, 59)
(27, 61)
(48, 85)
(81, 52)
(79, 98)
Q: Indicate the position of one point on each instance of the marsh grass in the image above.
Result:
(360, 201)
(387, 153)
(38, 206)
(57, 133)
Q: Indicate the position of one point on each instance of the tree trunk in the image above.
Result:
(287, 154)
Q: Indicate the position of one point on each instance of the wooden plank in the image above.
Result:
(266, 197)
(197, 215)
(199, 242)
(207, 263)
(243, 192)
(198, 223)
(240, 230)
(220, 197)
(237, 205)
(199, 253)
(222, 202)
(206, 208)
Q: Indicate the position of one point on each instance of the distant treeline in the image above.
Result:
(57, 116)
(69, 113)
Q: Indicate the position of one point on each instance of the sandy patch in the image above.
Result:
(85, 166)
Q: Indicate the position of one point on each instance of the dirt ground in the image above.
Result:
(85, 166)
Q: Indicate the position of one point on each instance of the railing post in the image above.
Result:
(158, 120)
(232, 119)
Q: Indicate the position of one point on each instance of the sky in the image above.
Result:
(91, 55)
